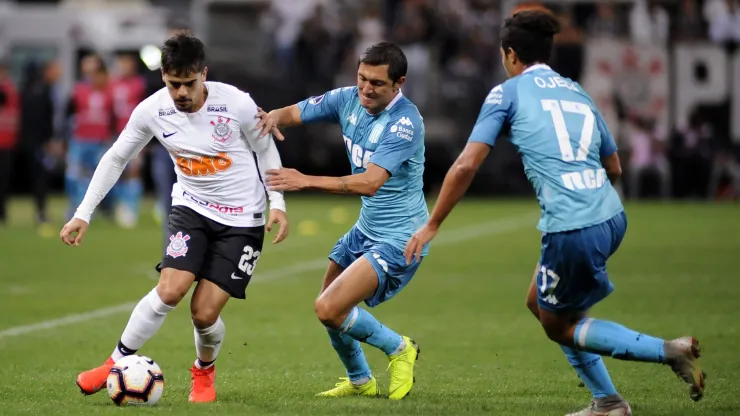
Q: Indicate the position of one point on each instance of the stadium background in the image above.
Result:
(666, 74)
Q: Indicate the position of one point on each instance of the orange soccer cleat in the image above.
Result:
(92, 381)
(202, 388)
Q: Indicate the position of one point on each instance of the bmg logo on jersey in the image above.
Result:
(204, 165)
(359, 156)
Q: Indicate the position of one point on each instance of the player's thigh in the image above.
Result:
(532, 294)
(332, 272)
(207, 303)
(356, 283)
(391, 271)
(347, 249)
(232, 258)
(186, 251)
(173, 285)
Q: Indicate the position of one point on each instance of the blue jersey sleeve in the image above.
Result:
(608, 145)
(326, 107)
(495, 114)
(399, 143)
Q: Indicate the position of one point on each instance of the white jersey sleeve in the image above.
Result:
(136, 135)
(267, 153)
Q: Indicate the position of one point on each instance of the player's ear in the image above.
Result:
(204, 74)
(163, 74)
(398, 84)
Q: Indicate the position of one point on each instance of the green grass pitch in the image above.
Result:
(482, 352)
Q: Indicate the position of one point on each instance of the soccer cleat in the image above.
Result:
(92, 381)
(346, 388)
(682, 355)
(401, 370)
(622, 409)
(202, 385)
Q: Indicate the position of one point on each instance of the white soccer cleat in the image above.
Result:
(622, 410)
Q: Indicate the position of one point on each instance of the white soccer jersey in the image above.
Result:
(212, 149)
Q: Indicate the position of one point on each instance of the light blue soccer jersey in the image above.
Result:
(393, 140)
(561, 137)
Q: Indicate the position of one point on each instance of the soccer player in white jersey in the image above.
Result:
(217, 224)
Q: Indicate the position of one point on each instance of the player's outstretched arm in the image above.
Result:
(365, 184)
(456, 183)
(111, 166)
(273, 121)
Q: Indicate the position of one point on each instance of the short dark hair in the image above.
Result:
(530, 34)
(386, 53)
(183, 54)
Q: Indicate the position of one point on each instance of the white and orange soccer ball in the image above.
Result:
(135, 380)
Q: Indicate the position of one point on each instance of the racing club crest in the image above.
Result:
(221, 130)
(178, 245)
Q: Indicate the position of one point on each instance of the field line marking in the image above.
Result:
(454, 236)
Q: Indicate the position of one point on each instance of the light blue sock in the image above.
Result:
(591, 369)
(610, 338)
(363, 327)
(350, 352)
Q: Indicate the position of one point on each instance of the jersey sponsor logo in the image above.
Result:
(402, 132)
(406, 133)
(221, 129)
(585, 179)
(496, 96)
(359, 156)
(352, 119)
(221, 209)
(164, 112)
(317, 100)
(217, 108)
(178, 246)
(203, 165)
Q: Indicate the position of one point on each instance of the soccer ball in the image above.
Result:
(135, 380)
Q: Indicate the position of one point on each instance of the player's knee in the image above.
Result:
(326, 312)
(533, 307)
(173, 286)
(556, 333)
(204, 316)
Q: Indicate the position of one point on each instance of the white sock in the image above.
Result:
(147, 317)
(400, 348)
(208, 342)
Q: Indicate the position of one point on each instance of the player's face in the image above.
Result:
(186, 90)
(375, 88)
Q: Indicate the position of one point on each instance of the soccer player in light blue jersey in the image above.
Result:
(571, 161)
(384, 136)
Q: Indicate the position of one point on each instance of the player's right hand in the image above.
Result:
(268, 124)
(417, 242)
(73, 232)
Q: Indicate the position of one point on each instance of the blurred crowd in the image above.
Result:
(453, 53)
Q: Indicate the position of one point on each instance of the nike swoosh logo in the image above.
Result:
(166, 135)
(235, 277)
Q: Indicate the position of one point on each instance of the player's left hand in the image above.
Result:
(280, 218)
(285, 179)
(417, 242)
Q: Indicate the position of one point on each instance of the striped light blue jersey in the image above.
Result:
(393, 140)
(561, 137)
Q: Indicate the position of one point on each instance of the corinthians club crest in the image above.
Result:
(178, 245)
(221, 130)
